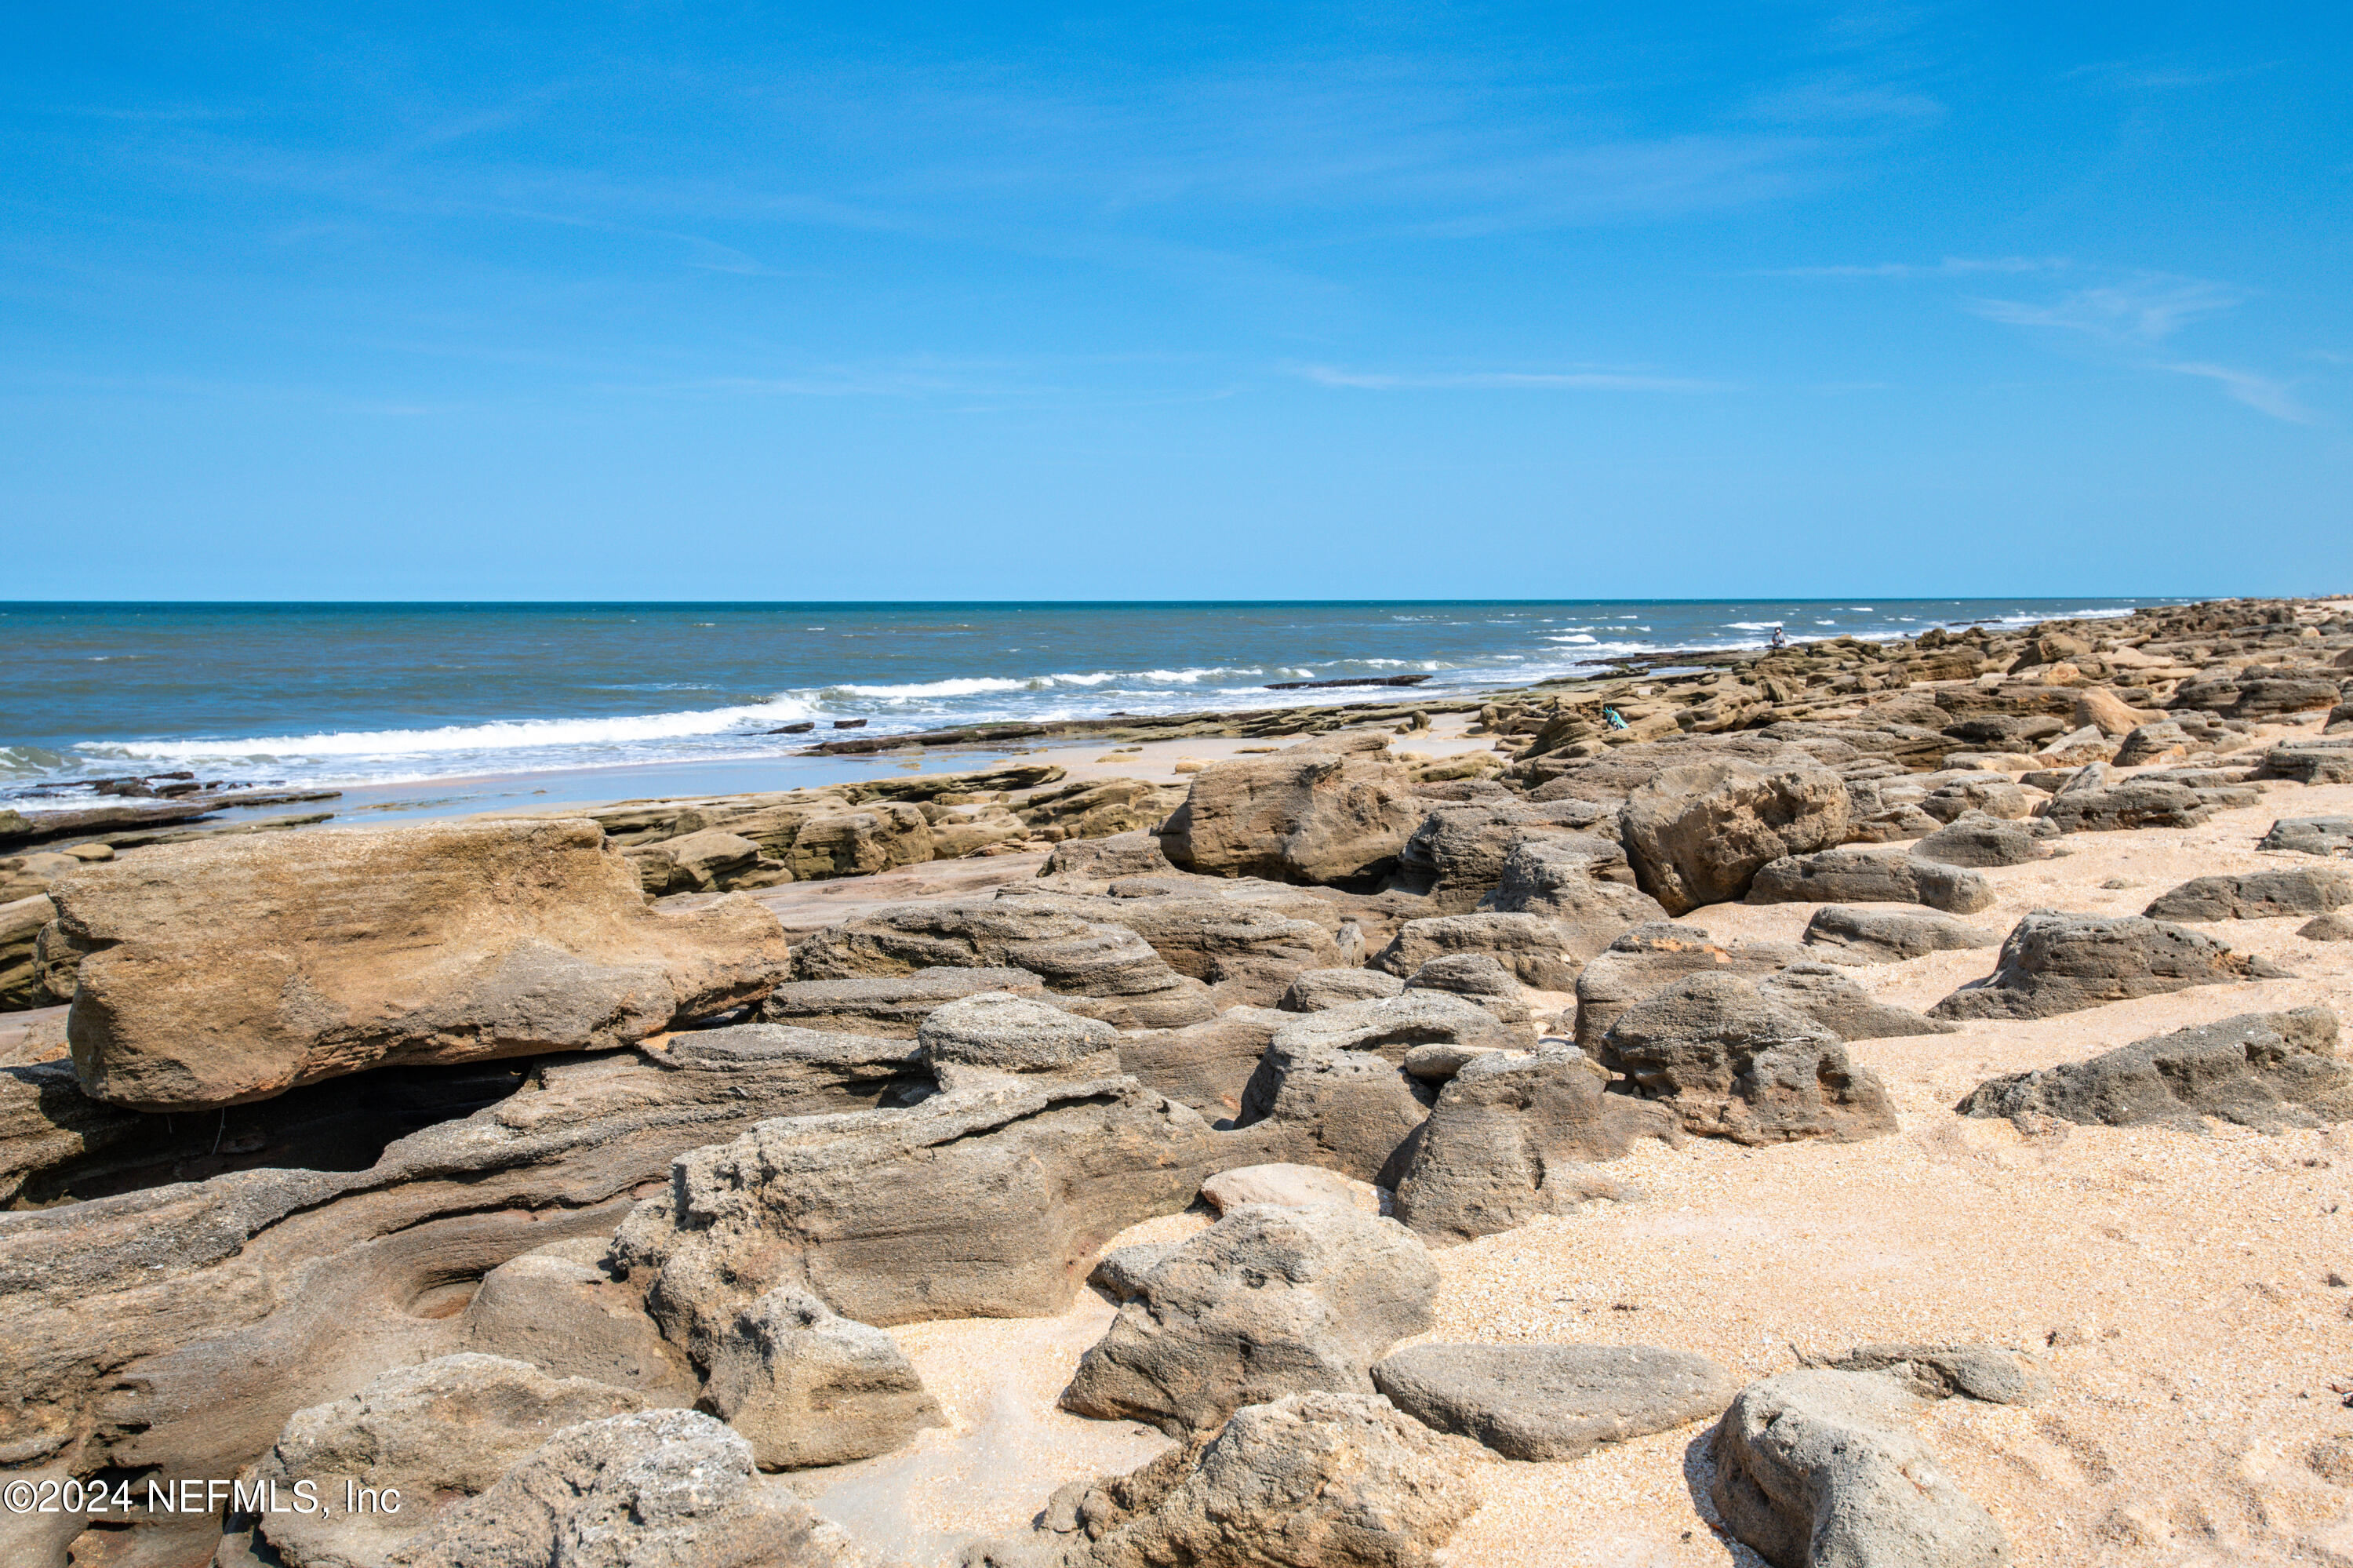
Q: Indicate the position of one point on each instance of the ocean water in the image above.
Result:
(406, 695)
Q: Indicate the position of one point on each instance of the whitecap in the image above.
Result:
(497, 735)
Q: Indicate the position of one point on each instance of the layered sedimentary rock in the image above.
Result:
(177, 1327)
(229, 970)
(985, 1203)
(1107, 971)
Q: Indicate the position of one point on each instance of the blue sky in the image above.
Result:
(1194, 300)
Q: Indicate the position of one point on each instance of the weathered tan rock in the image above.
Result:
(1313, 1480)
(232, 970)
(993, 1038)
(1560, 879)
(1306, 814)
(1855, 874)
(1206, 1065)
(1515, 1137)
(808, 1386)
(857, 842)
(1554, 1401)
(1246, 944)
(560, 1310)
(1132, 853)
(1268, 1301)
(661, 1488)
(704, 863)
(1699, 835)
(1108, 971)
(21, 920)
(2265, 1070)
(176, 1327)
(1648, 958)
(985, 1203)
(1735, 1064)
(1818, 1466)
(1288, 1186)
(1536, 951)
(1312, 990)
(2256, 895)
(444, 1430)
(2111, 714)
(2053, 962)
(895, 1005)
(1892, 935)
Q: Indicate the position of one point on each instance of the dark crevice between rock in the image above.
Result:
(344, 1124)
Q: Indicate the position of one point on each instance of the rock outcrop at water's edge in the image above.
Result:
(469, 1186)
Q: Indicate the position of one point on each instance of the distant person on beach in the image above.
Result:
(1780, 638)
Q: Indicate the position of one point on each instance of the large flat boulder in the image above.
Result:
(984, 1204)
(1820, 1467)
(1515, 1137)
(1731, 1062)
(2256, 895)
(1699, 835)
(1268, 1301)
(1648, 958)
(1310, 813)
(2265, 1070)
(1858, 875)
(2053, 962)
(2329, 760)
(1977, 839)
(1554, 1401)
(1892, 935)
(2135, 803)
(2310, 835)
(235, 969)
(1107, 971)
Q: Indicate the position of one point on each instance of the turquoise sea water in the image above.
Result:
(381, 694)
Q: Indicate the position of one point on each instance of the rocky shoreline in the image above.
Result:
(1862, 1103)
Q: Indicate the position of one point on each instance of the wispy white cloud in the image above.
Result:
(2261, 393)
(2163, 72)
(1950, 267)
(1841, 99)
(2144, 308)
(1593, 380)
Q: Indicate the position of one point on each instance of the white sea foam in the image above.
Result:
(498, 736)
